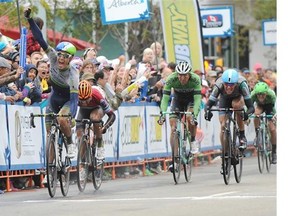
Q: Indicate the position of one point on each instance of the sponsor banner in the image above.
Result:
(269, 29)
(110, 139)
(4, 142)
(26, 144)
(182, 32)
(156, 134)
(217, 22)
(113, 12)
(132, 132)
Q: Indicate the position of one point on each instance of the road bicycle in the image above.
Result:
(182, 149)
(58, 164)
(86, 160)
(263, 142)
(231, 154)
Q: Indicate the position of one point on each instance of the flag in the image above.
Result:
(182, 31)
(23, 45)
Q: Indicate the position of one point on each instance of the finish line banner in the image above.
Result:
(182, 32)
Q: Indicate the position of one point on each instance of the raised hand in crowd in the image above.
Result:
(27, 12)
(19, 71)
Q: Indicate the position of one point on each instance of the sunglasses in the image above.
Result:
(230, 84)
(261, 94)
(64, 55)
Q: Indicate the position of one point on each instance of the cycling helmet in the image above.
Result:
(261, 88)
(85, 90)
(183, 68)
(230, 76)
(66, 47)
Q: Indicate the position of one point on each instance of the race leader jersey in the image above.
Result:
(97, 100)
(190, 91)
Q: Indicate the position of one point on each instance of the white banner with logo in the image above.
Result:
(113, 12)
(26, 144)
(156, 134)
(132, 132)
(269, 29)
(217, 22)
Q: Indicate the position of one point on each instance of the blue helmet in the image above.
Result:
(66, 47)
(230, 76)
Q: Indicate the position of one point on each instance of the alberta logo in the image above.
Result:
(212, 21)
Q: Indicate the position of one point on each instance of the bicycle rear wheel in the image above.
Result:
(268, 152)
(51, 165)
(237, 164)
(226, 157)
(260, 151)
(176, 163)
(83, 163)
(65, 172)
(98, 171)
(189, 160)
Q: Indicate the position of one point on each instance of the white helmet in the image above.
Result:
(183, 68)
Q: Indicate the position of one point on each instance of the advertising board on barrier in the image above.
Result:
(26, 144)
(4, 143)
(132, 132)
(156, 134)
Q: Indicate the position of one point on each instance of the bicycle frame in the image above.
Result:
(263, 142)
(179, 150)
(86, 158)
(232, 155)
(56, 166)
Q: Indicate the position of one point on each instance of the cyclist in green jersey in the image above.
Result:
(264, 100)
(186, 87)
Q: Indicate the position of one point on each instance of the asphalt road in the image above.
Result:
(205, 195)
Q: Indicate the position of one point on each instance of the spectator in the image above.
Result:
(35, 57)
(90, 53)
(158, 62)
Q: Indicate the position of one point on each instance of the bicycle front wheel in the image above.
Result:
(65, 173)
(83, 163)
(176, 163)
(98, 171)
(189, 160)
(226, 157)
(268, 153)
(51, 165)
(237, 164)
(260, 151)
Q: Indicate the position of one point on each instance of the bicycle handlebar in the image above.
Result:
(53, 115)
(261, 116)
(87, 121)
(226, 109)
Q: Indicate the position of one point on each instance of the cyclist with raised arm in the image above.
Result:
(264, 100)
(94, 106)
(64, 80)
(234, 93)
(186, 87)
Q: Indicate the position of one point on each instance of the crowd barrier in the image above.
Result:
(134, 139)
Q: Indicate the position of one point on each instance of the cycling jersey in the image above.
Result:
(268, 105)
(241, 89)
(64, 83)
(188, 92)
(97, 100)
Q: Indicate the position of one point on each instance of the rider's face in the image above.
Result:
(229, 88)
(183, 78)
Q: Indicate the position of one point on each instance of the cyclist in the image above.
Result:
(94, 106)
(187, 97)
(264, 100)
(64, 80)
(234, 93)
